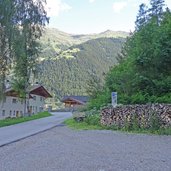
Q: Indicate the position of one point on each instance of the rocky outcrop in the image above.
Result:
(143, 114)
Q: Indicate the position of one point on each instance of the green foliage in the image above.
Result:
(102, 99)
(89, 63)
(131, 124)
(143, 74)
(138, 98)
(92, 119)
(12, 121)
(81, 125)
(21, 25)
(135, 122)
(154, 122)
(86, 126)
(127, 125)
(94, 85)
(19, 87)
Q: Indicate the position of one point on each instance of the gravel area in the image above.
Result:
(63, 149)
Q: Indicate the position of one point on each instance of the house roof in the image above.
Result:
(35, 89)
(11, 92)
(80, 99)
(39, 90)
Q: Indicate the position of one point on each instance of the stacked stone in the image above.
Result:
(121, 115)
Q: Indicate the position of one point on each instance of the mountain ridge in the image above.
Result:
(67, 39)
(67, 63)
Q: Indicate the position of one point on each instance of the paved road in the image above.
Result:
(15, 132)
(63, 149)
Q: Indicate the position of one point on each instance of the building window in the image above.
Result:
(34, 97)
(10, 113)
(14, 113)
(14, 101)
(3, 113)
(41, 99)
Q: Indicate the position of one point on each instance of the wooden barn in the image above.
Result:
(75, 101)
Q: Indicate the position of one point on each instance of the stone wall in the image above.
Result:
(122, 115)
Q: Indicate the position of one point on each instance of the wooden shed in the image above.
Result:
(74, 101)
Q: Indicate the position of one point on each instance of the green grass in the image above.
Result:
(160, 131)
(71, 123)
(12, 121)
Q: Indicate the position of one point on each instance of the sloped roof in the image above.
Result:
(40, 91)
(35, 89)
(11, 92)
(80, 99)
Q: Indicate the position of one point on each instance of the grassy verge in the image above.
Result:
(71, 123)
(12, 121)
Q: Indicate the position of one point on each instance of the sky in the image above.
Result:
(94, 16)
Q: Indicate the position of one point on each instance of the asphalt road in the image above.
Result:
(63, 149)
(16, 132)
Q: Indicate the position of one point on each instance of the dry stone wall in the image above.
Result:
(122, 115)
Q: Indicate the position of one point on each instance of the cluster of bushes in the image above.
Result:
(91, 120)
(143, 74)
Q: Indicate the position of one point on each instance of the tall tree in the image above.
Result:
(6, 27)
(21, 25)
(32, 18)
(141, 19)
(157, 10)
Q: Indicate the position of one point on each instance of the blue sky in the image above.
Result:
(94, 16)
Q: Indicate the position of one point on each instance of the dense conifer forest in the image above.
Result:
(143, 74)
(68, 62)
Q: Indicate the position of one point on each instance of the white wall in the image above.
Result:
(36, 104)
(11, 107)
(14, 107)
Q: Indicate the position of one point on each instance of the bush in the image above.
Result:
(131, 124)
(127, 125)
(92, 119)
(138, 98)
(101, 100)
(135, 122)
(154, 121)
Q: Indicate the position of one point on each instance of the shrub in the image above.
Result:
(92, 119)
(135, 122)
(154, 121)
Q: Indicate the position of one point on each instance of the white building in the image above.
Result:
(13, 106)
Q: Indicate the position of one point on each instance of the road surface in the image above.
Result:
(63, 149)
(19, 131)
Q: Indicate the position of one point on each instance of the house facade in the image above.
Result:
(74, 102)
(13, 106)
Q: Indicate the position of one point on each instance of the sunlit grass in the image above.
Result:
(12, 121)
(71, 123)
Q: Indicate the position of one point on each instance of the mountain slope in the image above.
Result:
(66, 72)
(61, 41)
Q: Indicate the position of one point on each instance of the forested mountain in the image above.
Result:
(143, 75)
(67, 61)
(61, 40)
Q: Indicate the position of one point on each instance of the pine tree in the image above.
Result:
(156, 10)
(141, 17)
